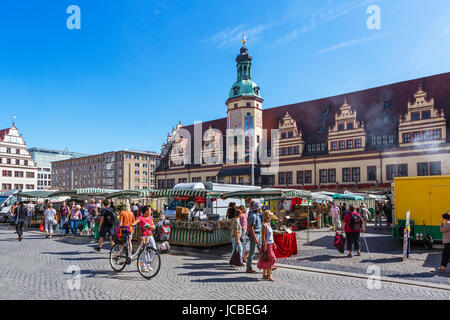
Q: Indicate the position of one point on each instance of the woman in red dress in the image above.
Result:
(268, 247)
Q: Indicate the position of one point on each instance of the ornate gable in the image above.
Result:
(347, 134)
(423, 123)
(290, 137)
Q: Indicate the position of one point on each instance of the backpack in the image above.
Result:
(356, 222)
(108, 218)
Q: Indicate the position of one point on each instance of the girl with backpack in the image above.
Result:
(353, 226)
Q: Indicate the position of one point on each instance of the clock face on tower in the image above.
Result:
(235, 119)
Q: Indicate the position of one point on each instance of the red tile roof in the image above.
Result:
(369, 105)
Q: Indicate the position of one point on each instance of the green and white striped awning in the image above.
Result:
(84, 192)
(125, 194)
(269, 194)
(181, 193)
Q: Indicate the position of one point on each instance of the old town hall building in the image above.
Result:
(355, 141)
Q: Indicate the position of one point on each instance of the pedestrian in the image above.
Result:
(353, 225)
(13, 214)
(254, 233)
(147, 227)
(236, 234)
(126, 219)
(91, 214)
(75, 218)
(243, 219)
(364, 213)
(378, 212)
(267, 257)
(64, 214)
(387, 208)
(231, 211)
(134, 209)
(445, 229)
(20, 217)
(49, 220)
(315, 212)
(30, 213)
(84, 222)
(335, 216)
(106, 225)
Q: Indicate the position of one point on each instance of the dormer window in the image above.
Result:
(341, 127)
(349, 125)
(235, 91)
(290, 134)
(283, 135)
(426, 114)
(415, 116)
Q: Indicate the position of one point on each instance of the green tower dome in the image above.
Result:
(244, 86)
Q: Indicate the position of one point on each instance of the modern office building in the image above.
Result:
(354, 141)
(18, 171)
(43, 159)
(121, 170)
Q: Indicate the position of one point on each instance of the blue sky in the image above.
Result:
(137, 67)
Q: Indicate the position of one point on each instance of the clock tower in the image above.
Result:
(244, 104)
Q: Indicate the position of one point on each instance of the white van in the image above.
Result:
(212, 209)
(7, 199)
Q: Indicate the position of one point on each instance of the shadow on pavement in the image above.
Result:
(219, 280)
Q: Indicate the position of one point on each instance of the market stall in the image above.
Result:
(185, 230)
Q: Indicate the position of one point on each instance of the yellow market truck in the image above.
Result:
(427, 198)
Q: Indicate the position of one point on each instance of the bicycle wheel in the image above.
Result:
(118, 257)
(149, 262)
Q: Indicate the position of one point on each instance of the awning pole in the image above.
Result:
(307, 227)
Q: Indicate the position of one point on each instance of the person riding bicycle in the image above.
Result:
(147, 227)
(126, 219)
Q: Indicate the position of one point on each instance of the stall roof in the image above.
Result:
(347, 196)
(181, 192)
(85, 192)
(269, 194)
(35, 194)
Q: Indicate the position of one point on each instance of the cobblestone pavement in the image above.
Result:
(384, 252)
(37, 268)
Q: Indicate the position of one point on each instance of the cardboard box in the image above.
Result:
(182, 214)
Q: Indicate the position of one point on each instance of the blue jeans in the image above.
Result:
(252, 249)
(62, 220)
(74, 226)
(235, 245)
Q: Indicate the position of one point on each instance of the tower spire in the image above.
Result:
(244, 40)
(13, 121)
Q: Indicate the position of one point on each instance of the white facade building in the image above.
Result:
(17, 170)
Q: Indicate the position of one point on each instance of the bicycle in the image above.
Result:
(148, 258)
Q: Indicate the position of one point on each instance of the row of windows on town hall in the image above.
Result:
(354, 174)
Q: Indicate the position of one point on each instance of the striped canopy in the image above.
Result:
(269, 194)
(84, 192)
(181, 193)
(125, 194)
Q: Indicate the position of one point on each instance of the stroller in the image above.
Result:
(162, 233)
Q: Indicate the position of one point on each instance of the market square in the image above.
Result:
(277, 154)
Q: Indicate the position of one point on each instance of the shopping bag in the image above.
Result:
(246, 243)
(41, 227)
(339, 242)
(236, 259)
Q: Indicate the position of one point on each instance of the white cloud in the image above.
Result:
(349, 43)
(232, 35)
